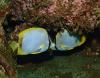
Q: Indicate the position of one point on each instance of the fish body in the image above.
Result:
(37, 40)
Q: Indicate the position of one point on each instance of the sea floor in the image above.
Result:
(74, 66)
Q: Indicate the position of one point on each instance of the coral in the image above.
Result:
(76, 15)
(4, 3)
(7, 68)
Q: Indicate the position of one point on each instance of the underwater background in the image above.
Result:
(81, 62)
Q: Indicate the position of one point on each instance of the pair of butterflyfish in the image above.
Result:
(37, 40)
